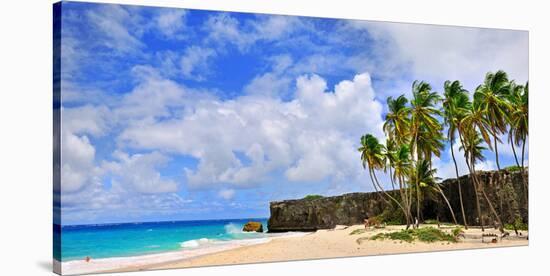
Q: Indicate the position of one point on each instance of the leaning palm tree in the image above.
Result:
(402, 171)
(372, 158)
(472, 126)
(473, 148)
(389, 158)
(426, 178)
(424, 126)
(514, 100)
(455, 105)
(519, 125)
(491, 96)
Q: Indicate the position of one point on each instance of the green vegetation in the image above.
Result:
(517, 225)
(358, 231)
(311, 197)
(414, 136)
(513, 168)
(425, 234)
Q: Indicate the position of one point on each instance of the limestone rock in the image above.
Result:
(253, 226)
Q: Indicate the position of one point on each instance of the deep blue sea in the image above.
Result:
(133, 239)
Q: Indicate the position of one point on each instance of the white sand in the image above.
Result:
(321, 244)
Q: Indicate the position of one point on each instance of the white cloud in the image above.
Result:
(117, 28)
(171, 22)
(194, 62)
(226, 194)
(438, 53)
(312, 137)
(77, 165)
(77, 153)
(225, 29)
(138, 172)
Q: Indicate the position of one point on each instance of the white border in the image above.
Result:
(25, 144)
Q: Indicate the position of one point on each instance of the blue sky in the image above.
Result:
(173, 114)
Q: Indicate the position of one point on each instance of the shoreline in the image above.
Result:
(332, 243)
(113, 264)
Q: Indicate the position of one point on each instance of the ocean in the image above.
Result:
(135, 239)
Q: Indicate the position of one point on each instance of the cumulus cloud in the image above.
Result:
(310, 138)
(438, 53)
(77, 153)
(138, 172)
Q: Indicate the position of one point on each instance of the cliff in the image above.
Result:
(504, 189)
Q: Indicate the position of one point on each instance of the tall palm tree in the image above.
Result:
(518, 118)
(373, 159)
(426, 178)
(403, 168)
(472, 127)
(396, 125)
(473, 149)
(389, 158)
(455, 105)
(491, 96)
(424, 126)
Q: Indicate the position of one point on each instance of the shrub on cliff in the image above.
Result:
(311, 197)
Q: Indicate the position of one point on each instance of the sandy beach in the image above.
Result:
(338, 242)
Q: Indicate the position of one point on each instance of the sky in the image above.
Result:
(175, 114)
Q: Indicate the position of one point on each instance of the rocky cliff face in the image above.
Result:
(504, 189)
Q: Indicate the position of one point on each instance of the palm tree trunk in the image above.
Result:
(492, 208)
(525, 190)
(391, 178)
(376, 189)
(459, 185)
(448, 203)
(476, 184)
(514, 150)
(495, 143)
(404, 200)
(387, 194)
(478, 207)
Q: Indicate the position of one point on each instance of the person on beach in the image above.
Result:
(88, 259)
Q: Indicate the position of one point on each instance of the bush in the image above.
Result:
(427, 234)
(357, 231)
(519, 225)
(430, 234)
(513, 168)
(431, 221)
(457, 231)
(311, 197)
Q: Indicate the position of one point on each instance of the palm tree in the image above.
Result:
(491, 96)
(473, 150)
(389, 158)
(518, 118)
(455, 104)
(426, 178)
(468, 127)
(403, 168)
(396, 125)
(424, 127)
(372, 157)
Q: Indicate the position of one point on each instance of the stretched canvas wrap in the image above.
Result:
(188, 138)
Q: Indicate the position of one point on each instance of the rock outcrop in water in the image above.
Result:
(504, 189)
(253, 226)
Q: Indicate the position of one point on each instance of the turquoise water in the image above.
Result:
(133, 239)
